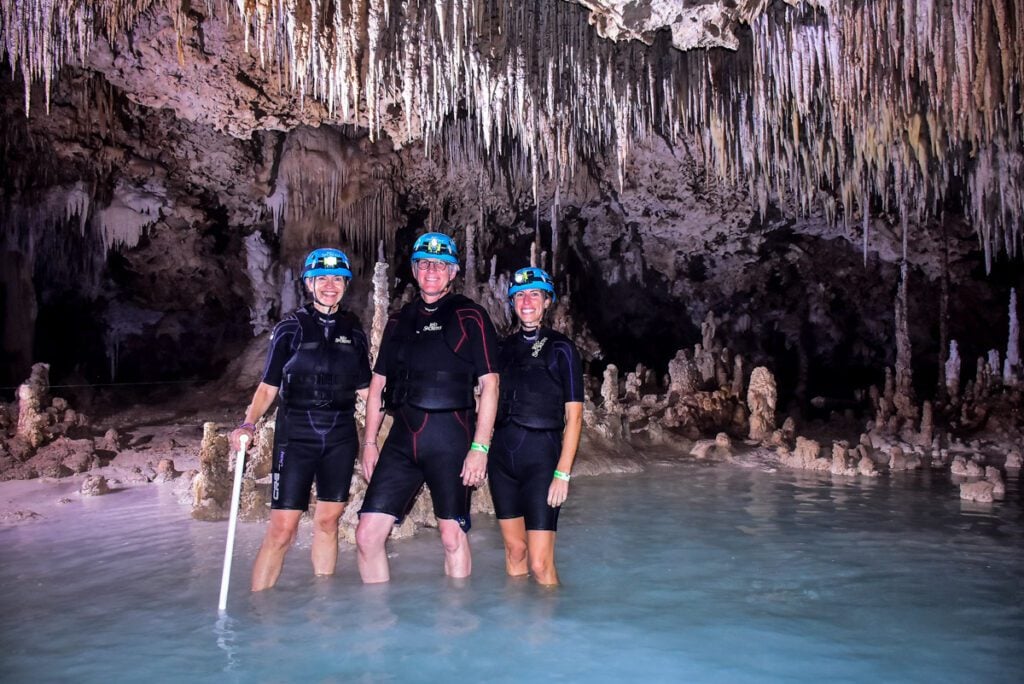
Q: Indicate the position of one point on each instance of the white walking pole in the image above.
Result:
(236, 494)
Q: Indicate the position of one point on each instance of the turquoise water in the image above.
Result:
(692, 572)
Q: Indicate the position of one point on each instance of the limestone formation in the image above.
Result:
(761, 398)
(953, 371)
(898, 460)
(634, 381)
(684, 376)
(927, 432)
(842, 463)
(111, 441)
(1011, 365)
(718, 448)
(63, 457)
(381, 296)
(980, 491)
(213, 484)
(94, 485)
(995, 477)
(32, 419)
(165, 471)
(1014, 460)
(737, 376)
(963, 467)
(610, 389)
(806, 456)
(866, 467)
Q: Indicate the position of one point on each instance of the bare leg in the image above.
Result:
(371, 535)
(325, 536)
(513, 533)
(458, 561)
(280, 535)
(541, 545)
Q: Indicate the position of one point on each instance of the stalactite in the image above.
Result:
(826, 107)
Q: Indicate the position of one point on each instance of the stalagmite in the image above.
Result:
(737, 377)
(704, 358)
(684, 377)
(953, 371)
(1011, 365)
(381, 297)
(927, 426)
(32, 419)
(290, 292)
(761, 398)
(610, 389)
(903, 398)
(805, 456)
(993, 366)
(259, 266)
(211, 488)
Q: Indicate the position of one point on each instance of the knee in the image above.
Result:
(326, 525)
(452, 537)
(541, 567)
(515, 549)
(369, 537)
(280, 536)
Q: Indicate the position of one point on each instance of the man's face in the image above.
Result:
(433, 276)
(530, 306)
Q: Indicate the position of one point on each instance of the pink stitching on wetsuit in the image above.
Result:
(477, 318)
(414, 433)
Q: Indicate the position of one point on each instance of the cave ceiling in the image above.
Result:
(658, 143)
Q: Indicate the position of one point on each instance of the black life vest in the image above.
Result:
(323, 371)
(530, 394)
(424, 370)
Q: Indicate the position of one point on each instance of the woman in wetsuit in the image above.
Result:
(317, 363)
(540, 417)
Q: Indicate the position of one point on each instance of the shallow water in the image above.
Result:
(692, 572)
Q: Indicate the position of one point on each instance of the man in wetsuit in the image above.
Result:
(434, 351)
(540, 418)
(318, 361)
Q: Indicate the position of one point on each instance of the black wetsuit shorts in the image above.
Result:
(312, 445)
(520, 466)
(423, 447)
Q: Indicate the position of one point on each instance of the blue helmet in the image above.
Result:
(435, 246)
(326, 261)
(531, 278)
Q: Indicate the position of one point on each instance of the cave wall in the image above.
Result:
(133, 195)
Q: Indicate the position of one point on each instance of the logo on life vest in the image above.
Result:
(433, 326)
(537, 346)
(341, 339)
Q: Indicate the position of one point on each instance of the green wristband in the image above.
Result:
(477, 446)
(559, 475)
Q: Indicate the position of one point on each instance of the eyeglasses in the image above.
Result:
(430, 265)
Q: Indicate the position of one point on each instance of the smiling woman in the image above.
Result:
(318, 362)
